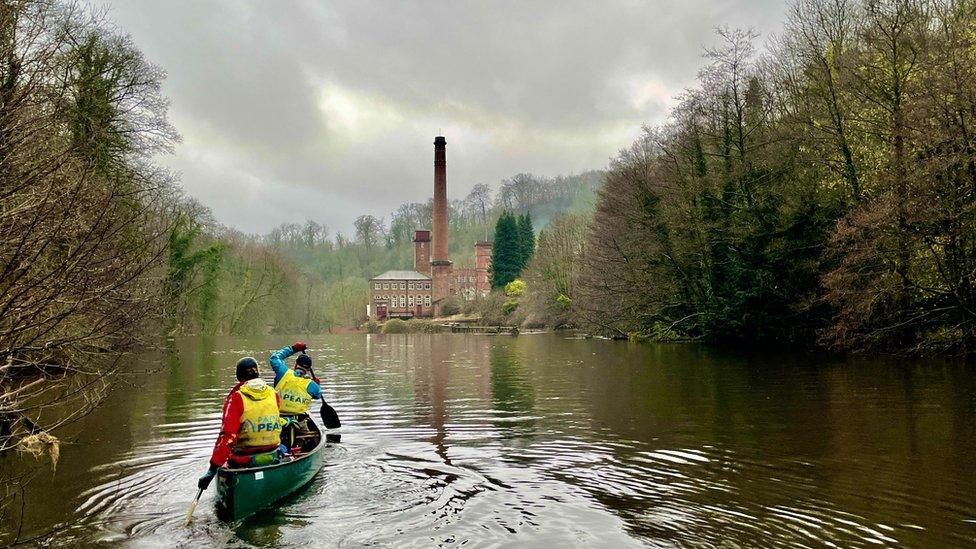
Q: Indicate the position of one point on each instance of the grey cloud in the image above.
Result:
(328, 110)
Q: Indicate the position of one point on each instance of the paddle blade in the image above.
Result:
(329, 417)
(193, 507)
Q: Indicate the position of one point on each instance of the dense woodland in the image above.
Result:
(822, 192)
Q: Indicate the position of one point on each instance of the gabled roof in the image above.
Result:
(401, 275)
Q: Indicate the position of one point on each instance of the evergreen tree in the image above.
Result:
(526, 239)
(506, 255)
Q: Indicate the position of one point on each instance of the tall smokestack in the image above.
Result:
(440, 199)
(440, 265)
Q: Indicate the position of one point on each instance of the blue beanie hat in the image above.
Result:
(304, 361)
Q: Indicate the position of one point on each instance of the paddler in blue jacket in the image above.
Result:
(296, 387)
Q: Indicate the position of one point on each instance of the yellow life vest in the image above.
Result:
(293, 391)
(260, 422)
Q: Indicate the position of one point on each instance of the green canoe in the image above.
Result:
(242, 492)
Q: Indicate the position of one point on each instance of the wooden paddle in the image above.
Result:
(193, 507)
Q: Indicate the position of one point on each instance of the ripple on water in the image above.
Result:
(484, 445)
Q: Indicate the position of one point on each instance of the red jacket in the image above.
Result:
(230, 425)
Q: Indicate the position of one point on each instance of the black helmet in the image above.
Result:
(247, 368)
(303, 361)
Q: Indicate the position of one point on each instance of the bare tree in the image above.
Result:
(84, 215)
(478, 201)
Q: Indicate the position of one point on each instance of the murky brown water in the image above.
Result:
(476, 441)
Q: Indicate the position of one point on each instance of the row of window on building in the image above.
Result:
(403, 286)
(460, 279)
(408, 300)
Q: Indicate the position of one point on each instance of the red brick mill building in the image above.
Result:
(422, 291)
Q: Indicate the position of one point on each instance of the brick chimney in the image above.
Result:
(440, 265)
(421, 251)
(440, 199)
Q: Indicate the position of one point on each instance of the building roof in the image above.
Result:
(401, 275)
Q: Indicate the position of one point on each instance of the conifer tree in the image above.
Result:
(506, 255)
(526, 239)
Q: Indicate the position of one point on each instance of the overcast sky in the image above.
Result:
(326, 110)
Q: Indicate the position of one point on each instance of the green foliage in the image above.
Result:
(506, 255)
(824, 195)
(412, 326)
(100, 74)
(297, 278)
(343, 302)
(84, 220)
(371, 327)
(396, 326)
(423, 326)
(515, 288)
(510, 306)
(183, 286)
(552, 272)
(208, 291)
(181, 260)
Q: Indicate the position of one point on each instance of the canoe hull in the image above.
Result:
(243, 492)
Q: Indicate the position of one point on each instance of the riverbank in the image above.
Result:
(439, 326)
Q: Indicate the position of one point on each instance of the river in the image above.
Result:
(474, 441)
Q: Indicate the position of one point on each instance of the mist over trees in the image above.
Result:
(300, 278)
(823, 192)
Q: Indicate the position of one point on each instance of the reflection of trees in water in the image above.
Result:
(191, 366)
(511, 390)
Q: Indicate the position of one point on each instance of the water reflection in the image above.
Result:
(511, 392)
(494, 440)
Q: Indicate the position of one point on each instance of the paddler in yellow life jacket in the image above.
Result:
(296, 387)
(250, 433)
